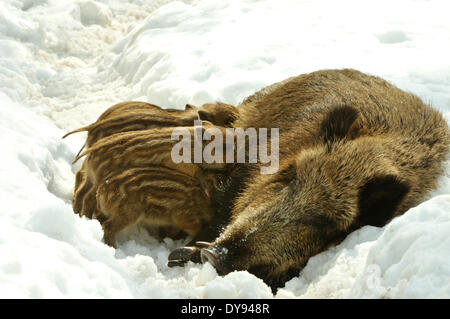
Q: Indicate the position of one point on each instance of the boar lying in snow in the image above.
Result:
(128, 176)
(354, 150)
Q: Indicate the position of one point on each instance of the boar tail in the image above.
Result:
(81, 129)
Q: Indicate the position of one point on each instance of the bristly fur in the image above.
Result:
(126, 138)
(354, 151)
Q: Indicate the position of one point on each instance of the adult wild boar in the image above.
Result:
(354, 150)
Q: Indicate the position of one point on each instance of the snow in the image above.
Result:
(408, 258)
(64, 62)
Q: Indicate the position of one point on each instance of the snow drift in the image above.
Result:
(63, 62)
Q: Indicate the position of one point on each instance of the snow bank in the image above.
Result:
(227, 51)
(408, 258)
(63, 62)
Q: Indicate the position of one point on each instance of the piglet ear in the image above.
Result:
(379, 198)
(340, 123)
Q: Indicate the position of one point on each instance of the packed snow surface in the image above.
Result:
(64, 62)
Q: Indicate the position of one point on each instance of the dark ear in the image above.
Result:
(338, 124)
(189, 107)
(205, 116)
(379, 199)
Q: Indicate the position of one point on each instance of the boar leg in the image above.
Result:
(115, 212)
(115, 224)
(82, 186)
(89, 206)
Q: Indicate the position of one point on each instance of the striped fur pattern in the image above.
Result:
(130, 136)
(122, 162)
(153, 195)
(134, 116)
(139, 149)
(121, 117)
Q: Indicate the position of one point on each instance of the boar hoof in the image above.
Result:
(181, 255)
(208, 255)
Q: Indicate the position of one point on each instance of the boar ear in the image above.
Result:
(379, 198)
(189, 107)
(339, 123)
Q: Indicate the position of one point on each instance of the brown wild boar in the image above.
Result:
(121, 117)
(354, 150)
(152, 196)
(134, 116)
(135, 180)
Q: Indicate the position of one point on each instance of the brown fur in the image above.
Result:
(354, 151)
(139, 149)
(122, 159)
(134, 179)
(155, 196)
(121, 117)
(136, 116)
(132, 128)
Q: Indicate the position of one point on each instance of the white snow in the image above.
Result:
(64, 62)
